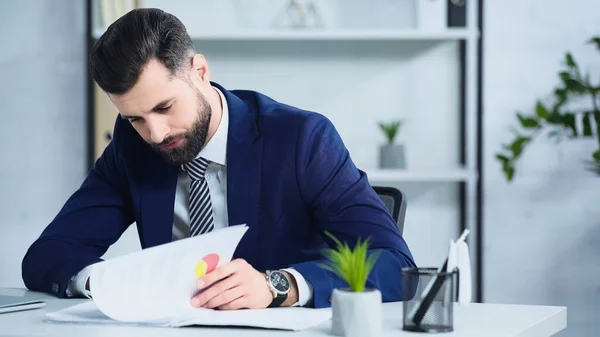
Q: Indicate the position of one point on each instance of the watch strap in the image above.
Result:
(278, 301)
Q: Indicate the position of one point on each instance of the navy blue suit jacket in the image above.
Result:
(289, 178)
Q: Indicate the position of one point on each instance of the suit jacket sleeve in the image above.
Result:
(344, 203)
(91, 220)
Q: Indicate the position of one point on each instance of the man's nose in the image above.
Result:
(158, 130)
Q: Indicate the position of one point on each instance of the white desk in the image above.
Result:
(474, 320)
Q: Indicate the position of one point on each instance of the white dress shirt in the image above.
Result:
(216, 176)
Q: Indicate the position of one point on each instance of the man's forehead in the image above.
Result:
(141, 104)
(153, 87)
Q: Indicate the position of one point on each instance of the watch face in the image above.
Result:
(279, 281)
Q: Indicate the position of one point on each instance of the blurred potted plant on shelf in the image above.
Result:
(558, 117)
(356, 309)
(299, 14)
(391, 155)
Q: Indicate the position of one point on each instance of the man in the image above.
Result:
(248, 159)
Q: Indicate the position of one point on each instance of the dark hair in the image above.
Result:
(120, 54)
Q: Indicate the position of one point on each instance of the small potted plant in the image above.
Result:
(391, 155)
(356, 309)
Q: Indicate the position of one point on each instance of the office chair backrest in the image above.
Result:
(395, 201)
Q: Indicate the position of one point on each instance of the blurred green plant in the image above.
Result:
(555, 116)
(352, 265)
(391, 129)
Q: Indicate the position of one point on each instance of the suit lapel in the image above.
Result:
(157, 201)
(244, 160)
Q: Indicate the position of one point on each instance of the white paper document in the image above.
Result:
(293, 318)
(154, 287)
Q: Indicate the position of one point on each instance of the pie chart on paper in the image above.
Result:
(206, 265)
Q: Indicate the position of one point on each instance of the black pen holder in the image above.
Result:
(428, 300)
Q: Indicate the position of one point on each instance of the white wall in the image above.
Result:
(42, 132)
(542, 232)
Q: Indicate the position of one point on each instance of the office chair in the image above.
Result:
(395, 201)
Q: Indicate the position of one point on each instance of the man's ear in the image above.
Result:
(200, 69)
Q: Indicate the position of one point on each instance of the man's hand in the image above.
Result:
(237, 285)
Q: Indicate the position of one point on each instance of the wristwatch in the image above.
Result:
(279, 284)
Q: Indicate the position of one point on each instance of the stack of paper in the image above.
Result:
(154, 287)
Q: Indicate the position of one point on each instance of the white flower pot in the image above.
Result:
(356, 314)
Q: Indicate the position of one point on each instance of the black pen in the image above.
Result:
(433, 287)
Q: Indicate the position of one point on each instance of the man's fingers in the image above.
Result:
(215, 290)
(226, 297)
(220, 273)
(240, 303)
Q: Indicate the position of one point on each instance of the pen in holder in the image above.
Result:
(429, 293)
(424, 308)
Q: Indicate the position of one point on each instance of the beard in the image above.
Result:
(193, 140)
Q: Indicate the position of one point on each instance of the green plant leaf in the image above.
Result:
(596, 155)
(541, 111)
(564, 76)
(561, 97)
(528, 122)
(502, 158)
(509, 172)
(568, 120)
(586, 82)
(516, 147)
(555, 118)
(351, 265)
(576, 86)
(570, 61)
(390, 129)
(560, 93)
(587, 124)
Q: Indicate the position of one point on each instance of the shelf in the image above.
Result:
(332, 35)
(425, 175)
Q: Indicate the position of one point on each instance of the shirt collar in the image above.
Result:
(216, 149)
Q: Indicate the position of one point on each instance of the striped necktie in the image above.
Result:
(201, 213)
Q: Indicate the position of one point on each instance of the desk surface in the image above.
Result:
(474, 319)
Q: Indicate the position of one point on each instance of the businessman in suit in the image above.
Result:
(246, 158)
